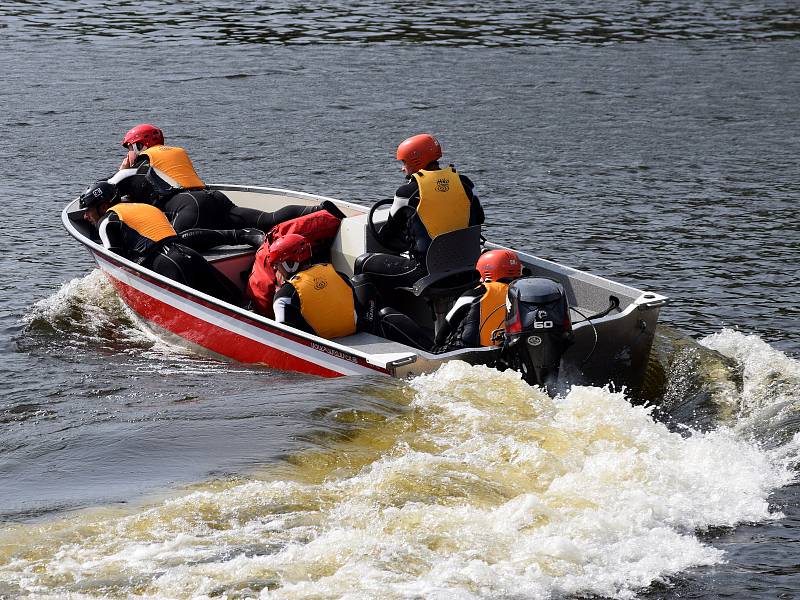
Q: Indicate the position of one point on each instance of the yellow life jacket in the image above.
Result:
(493, 311)
(146, 219)
(443, 204)
(326, 301)
(174, 166)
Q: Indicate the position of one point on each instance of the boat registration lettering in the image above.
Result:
(333, 352)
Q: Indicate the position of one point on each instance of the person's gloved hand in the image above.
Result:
(250, 236)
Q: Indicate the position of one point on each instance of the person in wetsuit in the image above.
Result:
(433, 201)
(478, 314)
(164, 176)
(141, 233)
(476, 317)
(313, 297)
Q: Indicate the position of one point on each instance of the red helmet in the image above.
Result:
(147, 135)
(499, 264)
(419, 150)
(291, 248)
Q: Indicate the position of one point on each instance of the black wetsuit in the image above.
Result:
(211, 209)
(168, 257)
(462, 325)
(200, 208)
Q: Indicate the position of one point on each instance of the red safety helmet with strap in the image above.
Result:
(147, 135)
(418, 151)
(291, 248)
(499, 264)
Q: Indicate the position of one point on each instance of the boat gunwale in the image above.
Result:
(639, 298)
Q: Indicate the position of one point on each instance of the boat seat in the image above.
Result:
(450, 262)
(235, 262)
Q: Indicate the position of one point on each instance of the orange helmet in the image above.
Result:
(144, 134)
(290, 250)
(499, 264)
(419, 150)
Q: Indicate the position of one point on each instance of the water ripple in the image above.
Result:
(370, 22)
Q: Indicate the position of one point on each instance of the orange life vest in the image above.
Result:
(443, 204)
(145, 219)
(493, 311)
(174, 166)
(326, 301)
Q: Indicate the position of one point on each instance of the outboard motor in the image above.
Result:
(538, 329)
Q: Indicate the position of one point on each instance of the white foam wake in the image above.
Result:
(487, 488)
(770, 390)
(90, 307)
(88, 303)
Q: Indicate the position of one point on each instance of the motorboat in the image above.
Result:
(607, 328)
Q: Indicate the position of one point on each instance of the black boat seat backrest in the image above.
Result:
(455, 250)
(451, 262)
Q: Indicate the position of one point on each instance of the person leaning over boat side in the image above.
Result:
(314, 298)
(433, 201)
(478, 313)
(164, 176)
(142, 233)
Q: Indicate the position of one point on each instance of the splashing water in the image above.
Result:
(484, 488)
(88, 303)
(91, 308)
(769, 401)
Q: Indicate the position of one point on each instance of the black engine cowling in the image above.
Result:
(538, 329)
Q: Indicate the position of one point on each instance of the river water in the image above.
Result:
(655, 143)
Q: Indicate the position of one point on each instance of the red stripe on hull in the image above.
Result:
(213, 337)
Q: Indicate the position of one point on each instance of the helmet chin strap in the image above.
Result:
(284, 270)
(290, 267)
